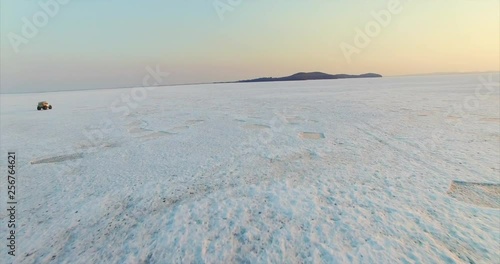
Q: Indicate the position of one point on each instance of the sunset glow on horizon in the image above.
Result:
(99, 44)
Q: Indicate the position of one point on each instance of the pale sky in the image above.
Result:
(85, 44)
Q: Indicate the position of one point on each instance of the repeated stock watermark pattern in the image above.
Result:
(96, 137)
(130, 99)
(372, 29)
(262, 142)
(31, 26)
(224, 6)
(436, 138)
(485, 88)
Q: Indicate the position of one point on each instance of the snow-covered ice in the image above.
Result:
(337, 171)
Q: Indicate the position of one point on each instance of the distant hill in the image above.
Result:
(302, 76)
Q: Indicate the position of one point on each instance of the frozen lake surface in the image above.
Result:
(399, 169)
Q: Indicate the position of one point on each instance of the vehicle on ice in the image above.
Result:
(43, 105)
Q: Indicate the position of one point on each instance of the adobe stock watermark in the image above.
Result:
(131, 100)
(127, 102)
(97, 136)
(485, 88)
(31, 26)
(372, 29)
(224, 6)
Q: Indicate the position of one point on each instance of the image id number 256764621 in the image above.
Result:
(11, 203)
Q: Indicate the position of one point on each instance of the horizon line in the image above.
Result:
(227, 82)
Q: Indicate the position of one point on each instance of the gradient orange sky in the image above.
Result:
(94, 44)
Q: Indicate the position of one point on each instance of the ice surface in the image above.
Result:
(333, 171)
